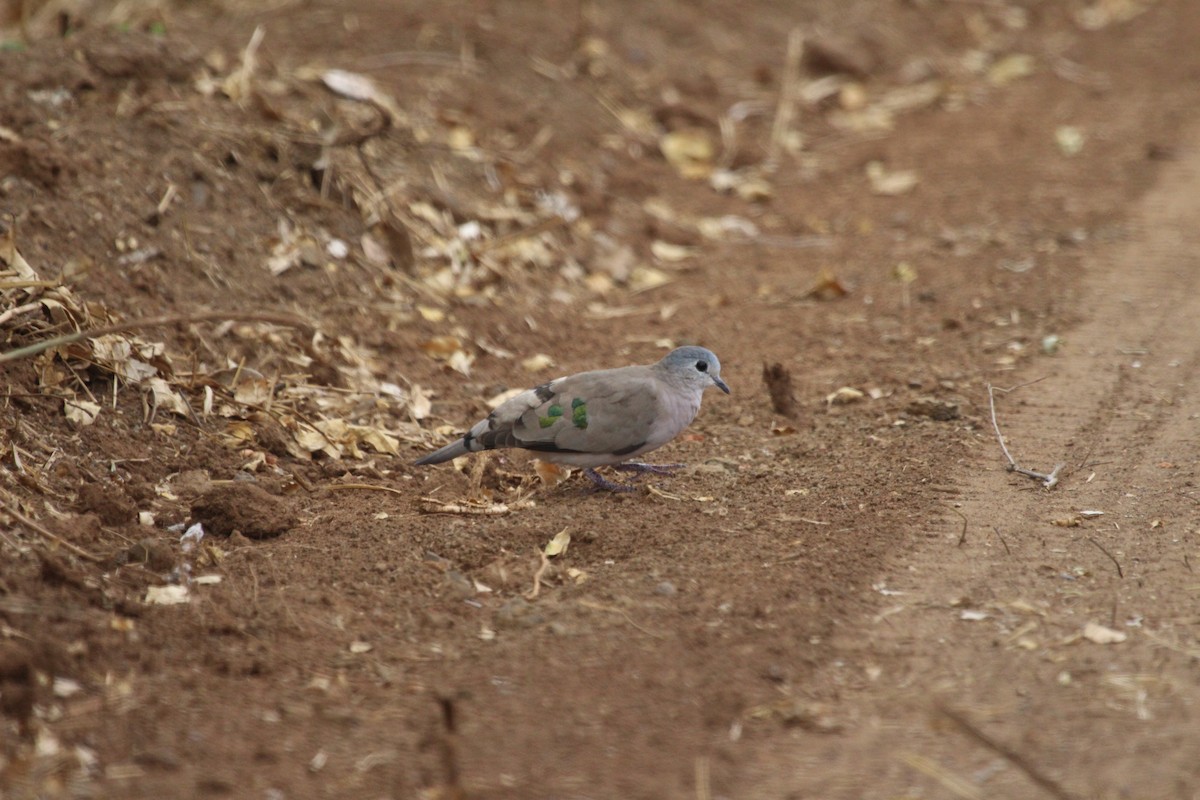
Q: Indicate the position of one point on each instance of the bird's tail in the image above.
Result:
(452, 450)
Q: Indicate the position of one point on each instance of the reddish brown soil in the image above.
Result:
(857, 601)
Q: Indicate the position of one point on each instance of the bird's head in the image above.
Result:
(695, 366)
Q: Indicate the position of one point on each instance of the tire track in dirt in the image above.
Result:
(992, 627)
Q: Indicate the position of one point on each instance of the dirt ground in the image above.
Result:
(291, 281)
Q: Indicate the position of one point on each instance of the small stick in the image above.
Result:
(785, 109)
(333, 487)
(1004, 751)
(537, 576)
(1049, 480)
(453, 790)
(601, 607)
(1000, 536)
(14, 312)
(1111, 557)
(276, 318)
(44, 532)
(962, 539)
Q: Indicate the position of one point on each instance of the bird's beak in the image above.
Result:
(724, 387)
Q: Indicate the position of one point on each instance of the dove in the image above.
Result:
(600, 418)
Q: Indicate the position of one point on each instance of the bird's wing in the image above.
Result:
(607, 412)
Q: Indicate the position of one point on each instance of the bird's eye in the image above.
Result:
(702, 366)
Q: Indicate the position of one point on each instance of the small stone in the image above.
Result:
(666, 589)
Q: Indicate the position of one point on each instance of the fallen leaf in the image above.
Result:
(538, 362)
(670, 253)
(1011, 68)
(844, 396)
(827, 286)
(559, 544)
(1103, 13)
(170, 595)
(890, 184)
(690, 151)
(1099, 634)
(1070, 139)
(81, 413)
(643, 279)
(549, 473)
(904, 272)
(442, 347)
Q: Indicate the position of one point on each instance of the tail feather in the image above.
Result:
(452, 450)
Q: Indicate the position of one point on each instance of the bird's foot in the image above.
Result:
(604, 483)
(654, 469)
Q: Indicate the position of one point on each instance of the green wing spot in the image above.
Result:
(553, 413)
(577, 402)
(579, 413)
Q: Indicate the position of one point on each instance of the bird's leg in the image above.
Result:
(604, 483)
(653, 469)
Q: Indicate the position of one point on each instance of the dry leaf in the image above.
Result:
(890, 184)
(904, 272)
(1099, 634)
(1070, 139)
(690, 151)
(81, 413)
(843, 396)
(449, 349)
(461, 362)
(559, 544)
(537, 363)
(1103, 13)
(643, 279)
(827, 286)
(1011, 68)
(419, 402)
(170, 595)
(670, 253)
(166, 398)
(550, 473)
(746, 184)
(252, 391)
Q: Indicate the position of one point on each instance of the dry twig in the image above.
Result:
(45, 533)
(537, 576)
(275, 318)
(785, 109)
(1111, 557)
(1007, 753)
(1049, 479)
